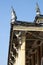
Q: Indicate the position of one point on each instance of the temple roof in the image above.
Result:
(25, 23)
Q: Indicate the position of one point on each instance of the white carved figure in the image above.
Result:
(37, 9)
(13, 16)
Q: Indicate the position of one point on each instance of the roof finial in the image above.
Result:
(13, 15)
(37, 9)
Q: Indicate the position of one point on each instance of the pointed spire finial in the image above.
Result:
(13, 15)
(37, 9)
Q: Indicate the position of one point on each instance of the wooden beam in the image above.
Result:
(38, 56)
(29, 28)
(34, 39)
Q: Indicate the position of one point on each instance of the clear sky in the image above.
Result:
(25, 11)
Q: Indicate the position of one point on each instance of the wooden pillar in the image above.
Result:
(38, 56)
(33, 59)
(29, 62)
(20, 60)
(41, 50)
(41, 53)
(23, 49)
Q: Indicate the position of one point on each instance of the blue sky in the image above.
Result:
(25, 11)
